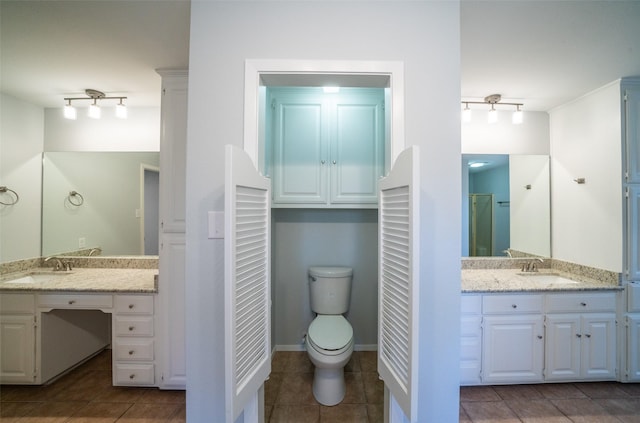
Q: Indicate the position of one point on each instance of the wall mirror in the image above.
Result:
(106, 200)
(505, 205)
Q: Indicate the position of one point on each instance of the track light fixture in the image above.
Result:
(94, 108)
(493, 100)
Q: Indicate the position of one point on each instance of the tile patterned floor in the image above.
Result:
(85, 395)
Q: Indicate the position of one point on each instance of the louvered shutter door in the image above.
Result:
(399, 278)
(247, 281)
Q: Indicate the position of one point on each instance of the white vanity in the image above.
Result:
(49, 327)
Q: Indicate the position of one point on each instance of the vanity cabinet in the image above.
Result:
(512, 342)
(170, 315)
(17, 338)
(632, 324)
(470, 339)
(133, 342)
(581, 336)
(328, 149)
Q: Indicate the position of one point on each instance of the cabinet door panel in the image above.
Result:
(633, 348)
(632, 133)
(562, 352)
(299, 152)
(512, 349)
(599, 346)
(356, 153)
(633, 233)
(17, 349)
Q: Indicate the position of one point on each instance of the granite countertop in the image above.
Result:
(86, 280)
(513, 280)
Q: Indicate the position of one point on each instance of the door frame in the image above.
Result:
(319, 71)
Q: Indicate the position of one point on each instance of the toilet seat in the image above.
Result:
(330, 334)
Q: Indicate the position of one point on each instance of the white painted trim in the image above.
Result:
(256, 67)
(142, 223)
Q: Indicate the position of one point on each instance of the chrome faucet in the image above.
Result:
(60, 264)
(508, 252)
(94, 250)
(531, 266)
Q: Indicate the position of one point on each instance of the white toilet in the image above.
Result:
(329, 339)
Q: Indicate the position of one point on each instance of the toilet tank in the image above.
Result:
(330, 289)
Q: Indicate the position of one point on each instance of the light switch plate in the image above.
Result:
(216, 225)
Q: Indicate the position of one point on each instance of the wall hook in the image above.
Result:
(580, 180)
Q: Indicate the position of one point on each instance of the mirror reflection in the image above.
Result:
(506, 205)
(105, 200)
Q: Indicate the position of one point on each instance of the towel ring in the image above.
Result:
(75, 198)
(5, 190)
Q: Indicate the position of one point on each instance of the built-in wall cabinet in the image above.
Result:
(538, 338)
(325, 149)
(630, 117)
(171, 372)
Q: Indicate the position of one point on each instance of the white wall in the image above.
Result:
(503, 137)
(586, 220)
(139, 132)
(425, 36)
(21, 140)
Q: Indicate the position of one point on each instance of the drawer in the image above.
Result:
(471, 304)
(133, 304)
(133, 325)
(133, 349)
(633, 297)
(470, 326)
(84, 301)
(133, 374)
(17, 303)
(511, 304)
(580, 302)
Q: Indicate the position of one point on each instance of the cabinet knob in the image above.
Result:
(334, 162)
(539, 336)
(131, 328)
(322, 162)
(131, 352)
(71, 302)
(583, 304)
(578, 335)
(514, 306)
(588, 335)
(132, 376)
(131, 306)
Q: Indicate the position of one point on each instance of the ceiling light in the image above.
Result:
(70, 112)
(331, 90)
(94, 108)
(121, 110)
(516, 117)
(477, 164)
(493, 100)
(466, 113)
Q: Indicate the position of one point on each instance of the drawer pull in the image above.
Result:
(583, 304)
(131, 352)
(539, 336)
(71, 302)
(131, 328)
(588, 335)
(514, 306)
(578, 335)
(131, 306)
(132, 376)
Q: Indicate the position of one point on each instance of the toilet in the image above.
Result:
(329, 340)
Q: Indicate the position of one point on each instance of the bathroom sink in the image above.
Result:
(37, 277)
(549, 278)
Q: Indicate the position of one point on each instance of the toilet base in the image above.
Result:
(329, 386)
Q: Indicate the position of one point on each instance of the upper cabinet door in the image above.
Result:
(173, 150)
(299, 149)
(327, 149)
(357, 141)
(631, 116)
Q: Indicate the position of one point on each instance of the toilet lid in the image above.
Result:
(330, 332)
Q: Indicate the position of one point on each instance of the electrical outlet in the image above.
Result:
(82, 242)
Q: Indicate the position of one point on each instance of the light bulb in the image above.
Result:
(466, 114)
(70, 112)
(121, 111)
(517, 116)
(94, 111)
(492, 117)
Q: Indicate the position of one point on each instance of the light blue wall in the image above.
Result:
(304, 238)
